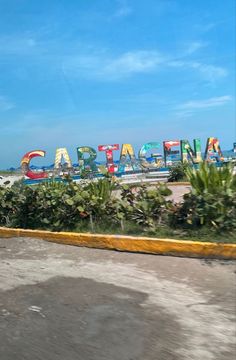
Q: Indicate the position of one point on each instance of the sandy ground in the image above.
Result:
(62, 302)
(178, 192)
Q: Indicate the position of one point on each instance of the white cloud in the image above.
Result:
(123, 12)
(17, 44)
(123, 9)
(104, 67)
(210, 72)
(203, 28)
(113, 68)
(5, 104)
(188, 108)
(87, 61)
(177, 63)
(202, 104)
(134, 62)
(195, 46)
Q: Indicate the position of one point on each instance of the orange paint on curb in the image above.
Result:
(131, 244)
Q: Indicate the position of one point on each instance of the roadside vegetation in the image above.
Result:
(9, 172)
(208, 212)
(178, 172)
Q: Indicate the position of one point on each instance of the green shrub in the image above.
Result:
(146, 207)
(58, 205)
(178, 172)
(102, 205)
(210, 179)
(212, 200)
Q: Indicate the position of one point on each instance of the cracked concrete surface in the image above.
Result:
(63, 302)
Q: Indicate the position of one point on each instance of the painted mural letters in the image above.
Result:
(173, 150)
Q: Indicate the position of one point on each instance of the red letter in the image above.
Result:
(26, 161)
(167, 149)
(109, 155)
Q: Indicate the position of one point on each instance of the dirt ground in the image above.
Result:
(178, 192)
(61, 302)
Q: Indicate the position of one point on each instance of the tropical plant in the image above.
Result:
(211, 179)
(212, 200)
(147, 207)
(104, 204)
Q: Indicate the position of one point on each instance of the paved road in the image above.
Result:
(66, 303)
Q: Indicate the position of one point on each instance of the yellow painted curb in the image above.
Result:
(130, 243)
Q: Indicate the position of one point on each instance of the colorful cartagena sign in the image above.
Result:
(148, 157)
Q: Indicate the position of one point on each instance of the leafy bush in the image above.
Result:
(103, 205)
(210, 179)
(178, 172)
(57, 205)
(212, 200)
(146, 207)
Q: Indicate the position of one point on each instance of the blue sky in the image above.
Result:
(90, 72)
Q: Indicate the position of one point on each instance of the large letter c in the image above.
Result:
(26, 161)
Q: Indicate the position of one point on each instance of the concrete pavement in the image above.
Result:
(61, 302)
